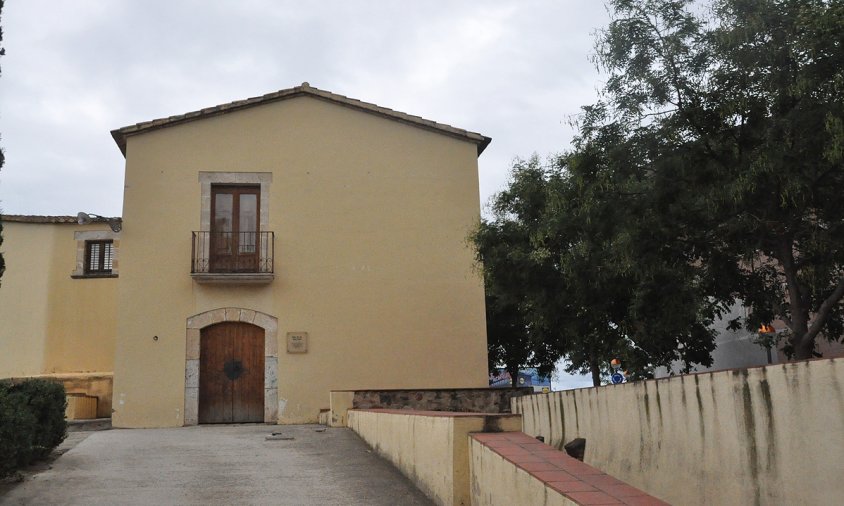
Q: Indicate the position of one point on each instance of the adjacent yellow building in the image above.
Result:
(58, 303)
(274, 249)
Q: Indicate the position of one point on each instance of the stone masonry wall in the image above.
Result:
(476, 400)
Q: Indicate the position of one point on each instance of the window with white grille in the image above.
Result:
(99, 256)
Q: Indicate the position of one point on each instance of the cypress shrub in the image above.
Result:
(31, 422)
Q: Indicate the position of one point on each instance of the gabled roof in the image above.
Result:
(305, 89)
(28, 218)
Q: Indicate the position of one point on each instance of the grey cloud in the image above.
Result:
(513, 70)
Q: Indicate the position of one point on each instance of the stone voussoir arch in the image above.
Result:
(199, 321)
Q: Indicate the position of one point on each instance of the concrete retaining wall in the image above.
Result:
(430, 448)
(768, 435)
(495, 480)
(514, 468)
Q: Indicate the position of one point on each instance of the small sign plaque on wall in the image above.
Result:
(297, 342)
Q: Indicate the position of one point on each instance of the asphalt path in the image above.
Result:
(217, 464)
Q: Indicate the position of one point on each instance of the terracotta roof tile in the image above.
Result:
(24, 218)
(304, 89)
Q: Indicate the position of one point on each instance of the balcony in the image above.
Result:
(232, 257)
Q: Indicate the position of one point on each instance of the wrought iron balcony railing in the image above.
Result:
(232, 253)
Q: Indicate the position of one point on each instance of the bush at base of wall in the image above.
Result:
(31, 422)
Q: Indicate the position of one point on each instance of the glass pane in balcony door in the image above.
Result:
(223, 223)
(248, 225)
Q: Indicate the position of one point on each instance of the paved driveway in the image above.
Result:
(229, 464)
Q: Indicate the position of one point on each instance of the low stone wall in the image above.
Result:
(514, 468)
(97, 385)
(495, 480)
(767, 435)
(431, 448)
(80, 407)
(472, 400)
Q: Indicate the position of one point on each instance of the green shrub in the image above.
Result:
(31, 422)
(47, 402)
(17, 425)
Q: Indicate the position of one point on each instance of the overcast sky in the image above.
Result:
(512, 70)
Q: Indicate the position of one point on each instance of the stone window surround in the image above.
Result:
(196, 323)
(206, 179)
(81, 237)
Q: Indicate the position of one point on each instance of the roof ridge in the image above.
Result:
(40, 218)
(120, 134)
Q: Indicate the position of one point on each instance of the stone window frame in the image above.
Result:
(199, 321)
(207, 178)
(82, 238)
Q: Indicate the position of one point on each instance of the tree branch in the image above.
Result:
(799, 311)
(823, 312)
(681, 103)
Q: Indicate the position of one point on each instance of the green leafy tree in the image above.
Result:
(508, 339)
(633, 286)
(552, 251)
(738, 121)
(504, 251)
(711, 174)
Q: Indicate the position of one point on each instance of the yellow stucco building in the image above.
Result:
(58, 303)
(272, 249)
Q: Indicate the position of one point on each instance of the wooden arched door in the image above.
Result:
(231, 373)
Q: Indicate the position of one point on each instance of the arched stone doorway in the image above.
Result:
(200, 321)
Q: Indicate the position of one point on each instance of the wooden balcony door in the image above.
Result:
(234, 228)
(231, 373)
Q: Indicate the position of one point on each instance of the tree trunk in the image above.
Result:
(513, 370)
(804, 347)
(595, 368)
(799, 324)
